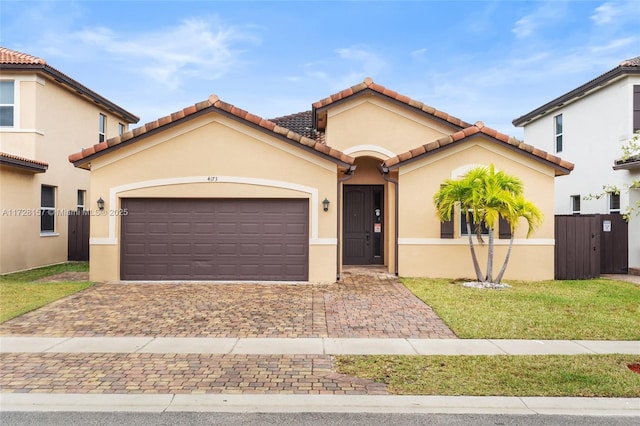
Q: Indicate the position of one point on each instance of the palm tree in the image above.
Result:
(486, 196)
(522, 208)
(458, 193)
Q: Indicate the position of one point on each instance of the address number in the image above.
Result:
(212, 178)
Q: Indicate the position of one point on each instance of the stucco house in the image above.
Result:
(44, 115)
(214, 192)
(590, 124)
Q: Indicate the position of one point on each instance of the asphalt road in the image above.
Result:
(306, 419)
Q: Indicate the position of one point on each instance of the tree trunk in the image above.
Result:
(476, 265)
(506, 260)
(490, 258)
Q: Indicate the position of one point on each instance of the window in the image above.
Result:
(614, 202)
(102, 127)
(120, 128)
(636, 108)
(7, 103)
(47, 209)
(82, 195)
(558, 132)
(575, 204)
(463, 225)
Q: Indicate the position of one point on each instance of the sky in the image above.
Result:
(489, 61)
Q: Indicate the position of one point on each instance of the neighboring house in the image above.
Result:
(213, 192)
(589, 125)
(44, 115)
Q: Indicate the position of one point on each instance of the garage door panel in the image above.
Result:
(215, 239)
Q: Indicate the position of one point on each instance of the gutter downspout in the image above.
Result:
(385, 175)
(348, 175)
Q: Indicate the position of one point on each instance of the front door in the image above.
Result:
(363, 225)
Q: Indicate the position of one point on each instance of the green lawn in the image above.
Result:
(20, 294)
(599, 309)
(499, 375)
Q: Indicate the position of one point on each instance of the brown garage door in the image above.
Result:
(215, 239)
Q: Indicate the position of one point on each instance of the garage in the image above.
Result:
(215, 239)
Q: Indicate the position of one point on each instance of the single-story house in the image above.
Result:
(214, 192)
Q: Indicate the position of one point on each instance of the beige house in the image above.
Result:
(44, 115)
(213, 192)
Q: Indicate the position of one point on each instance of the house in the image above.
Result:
(590, 124)
(44, 115)
(214, 192)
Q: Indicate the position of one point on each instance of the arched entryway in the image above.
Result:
(366, 214)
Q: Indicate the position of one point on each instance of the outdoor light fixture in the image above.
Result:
(100, 204)
(325, 204)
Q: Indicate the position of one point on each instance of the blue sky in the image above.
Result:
(477, 60)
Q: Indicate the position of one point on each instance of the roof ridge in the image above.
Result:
(215, 102)
(477, 127)
(368, 83)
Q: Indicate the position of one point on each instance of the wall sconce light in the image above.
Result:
(100, 204)
(325, 204)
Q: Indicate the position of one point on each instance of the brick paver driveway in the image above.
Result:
(360, 306)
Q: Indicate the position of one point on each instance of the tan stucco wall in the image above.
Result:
(53, 123)
(213, 157)
(369, 121)
(423, 253)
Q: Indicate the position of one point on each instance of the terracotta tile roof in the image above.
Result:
(626, 67)
(8, 56)
(23, 163)
(301, 123)
(18, 61)
(562, 167)
(369, 84)
(213, 102)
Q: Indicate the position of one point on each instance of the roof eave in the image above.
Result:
(604, 80)
(23, 165)
(77, 87)
(85, 161)
(559, 169)
(627, 165)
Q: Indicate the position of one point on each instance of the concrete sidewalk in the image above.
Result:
(313, 346)
(629, 407)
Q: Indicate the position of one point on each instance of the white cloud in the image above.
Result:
(419, 54)
(605, 13)
(547, 13)
(197, 47)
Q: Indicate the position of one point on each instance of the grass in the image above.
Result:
(599, 309)
(19, 293)
(499, 375)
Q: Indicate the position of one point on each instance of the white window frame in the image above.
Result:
(463, 227)
(573, 200)
(611, 197)
(48, 210)
(81, 205)
(102, 127)
(558, 135)
(14, 105)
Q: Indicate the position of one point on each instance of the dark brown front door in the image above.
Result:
(363, 240)
(215, 239)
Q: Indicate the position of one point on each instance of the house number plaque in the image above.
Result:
(212, 178)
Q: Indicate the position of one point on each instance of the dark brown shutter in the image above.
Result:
(504, 230)
(636, 108)
(446, 228)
